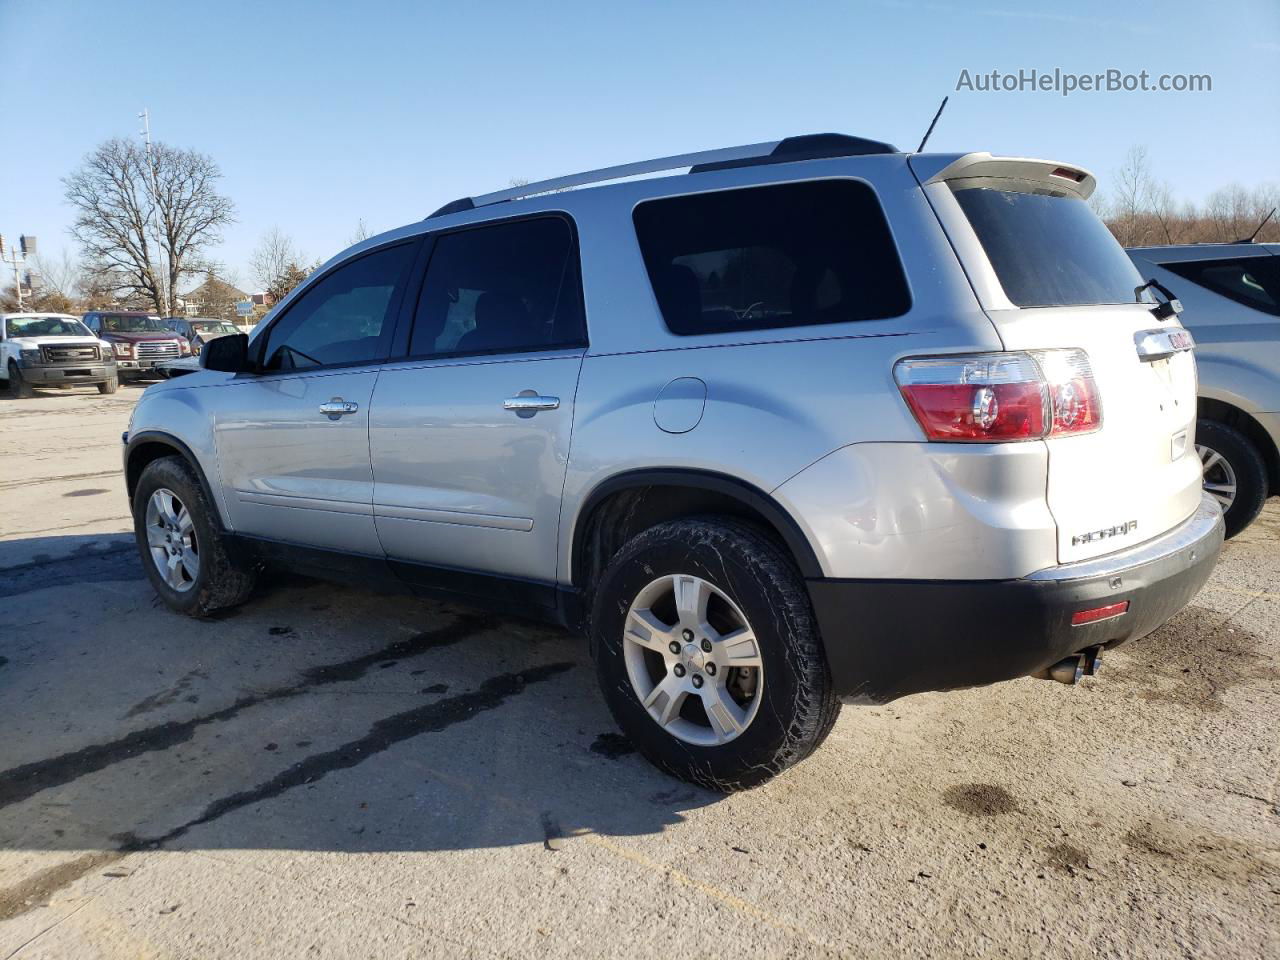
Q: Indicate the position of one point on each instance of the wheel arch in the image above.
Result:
(1223, 412)
(622, 505)
(150, 445)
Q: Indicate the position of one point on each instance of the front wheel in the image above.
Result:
(188, 561)
(708, 653)
(108, 386)
(19, 389)
(1233, 473)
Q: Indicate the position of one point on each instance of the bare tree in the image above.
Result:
(276, 264)
(60, 276)
(1131, 196)
(361, 232)
(145, 222)
(1164, 212)
(271, 259)
(52, 287)
(1141, 209)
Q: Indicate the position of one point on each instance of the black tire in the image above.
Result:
(225, 578)
(1245, 462)
(798, 707)
(109, 386)
(19, 389)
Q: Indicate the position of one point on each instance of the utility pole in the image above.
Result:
(17, 258)
(145, 132)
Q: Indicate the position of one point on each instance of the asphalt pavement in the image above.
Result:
(337, 773)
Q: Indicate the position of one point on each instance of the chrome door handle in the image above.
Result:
(337, 407)
(530, 404)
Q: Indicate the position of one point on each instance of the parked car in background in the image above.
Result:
(141, 340)
(200, 330)
(52, 350)
(815, 422)
(1230, 294)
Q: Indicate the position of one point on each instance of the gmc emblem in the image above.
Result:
(1093, 536)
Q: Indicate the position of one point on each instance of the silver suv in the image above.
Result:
(1231, 294)
(815, 422)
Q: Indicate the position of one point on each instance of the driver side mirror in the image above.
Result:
(230, 354)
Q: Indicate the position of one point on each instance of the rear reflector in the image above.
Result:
(1109, 612)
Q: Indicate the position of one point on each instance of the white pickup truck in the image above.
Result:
(52, 350)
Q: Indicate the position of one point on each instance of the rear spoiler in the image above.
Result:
(937, 167)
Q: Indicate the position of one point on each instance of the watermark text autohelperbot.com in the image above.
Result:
(1065, 83)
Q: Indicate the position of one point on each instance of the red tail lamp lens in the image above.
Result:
(1000, 411)
(992, 397)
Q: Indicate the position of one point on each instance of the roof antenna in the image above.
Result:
(928, 132)
(1250, 238)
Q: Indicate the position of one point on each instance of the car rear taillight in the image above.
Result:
(993, 397)
(1077, 408)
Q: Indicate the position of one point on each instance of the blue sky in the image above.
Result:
(324, 113)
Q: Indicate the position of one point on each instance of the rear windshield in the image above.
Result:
(1047, 249)
(768, 257)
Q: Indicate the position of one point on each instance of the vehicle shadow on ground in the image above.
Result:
(314, 717)
(42, 392)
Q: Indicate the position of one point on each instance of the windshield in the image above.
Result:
(1048, 249)
(123, 323)
(46, 327)
(214, 327)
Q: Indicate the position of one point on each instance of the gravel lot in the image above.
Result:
(337, 773)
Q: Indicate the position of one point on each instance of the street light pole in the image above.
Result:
(166, 306)
(17, 260)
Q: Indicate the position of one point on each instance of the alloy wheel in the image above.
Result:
(1219, 476)
(171, 538)
(693, 660)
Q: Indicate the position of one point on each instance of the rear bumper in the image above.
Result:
(889, 638)
(90, 373)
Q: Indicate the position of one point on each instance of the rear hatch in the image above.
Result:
(1051, 276)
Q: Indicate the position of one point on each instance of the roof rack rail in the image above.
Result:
(808, 147)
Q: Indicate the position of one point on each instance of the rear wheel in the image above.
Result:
(19, 389)
(708, 653)
(108, 386)
(186, 557)
(1233, 473)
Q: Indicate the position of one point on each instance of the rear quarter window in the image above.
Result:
(771, 257)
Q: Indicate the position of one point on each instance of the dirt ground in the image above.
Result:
(337, 773)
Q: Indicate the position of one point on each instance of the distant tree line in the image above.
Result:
(1141, 209)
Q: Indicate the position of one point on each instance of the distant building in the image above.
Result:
(213, 298)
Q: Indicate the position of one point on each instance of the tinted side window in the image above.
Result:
(768, 257)
(1253, 281)
(501, 288)
(345, 318)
